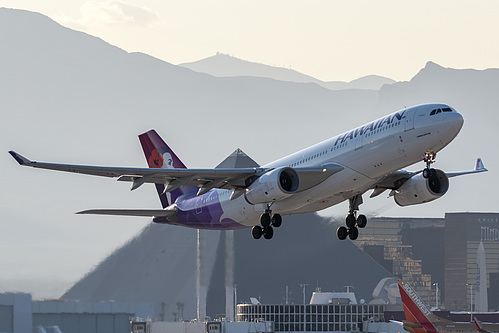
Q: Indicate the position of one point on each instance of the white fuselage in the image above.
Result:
(367, 154)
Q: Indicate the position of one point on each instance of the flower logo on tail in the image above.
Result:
(160, 159)
(156, 159)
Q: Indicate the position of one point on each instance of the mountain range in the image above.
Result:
(224, 65)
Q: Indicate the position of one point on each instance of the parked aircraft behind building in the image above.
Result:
(420, 319)
(341, 168)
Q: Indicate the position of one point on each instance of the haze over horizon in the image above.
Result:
(72, 98)
(329, 40)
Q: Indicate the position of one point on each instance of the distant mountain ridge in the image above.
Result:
(224, 65)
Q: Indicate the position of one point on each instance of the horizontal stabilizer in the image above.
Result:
(132, 212)
(396, 322)
(411, 324)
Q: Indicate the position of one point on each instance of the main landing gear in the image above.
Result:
(353, 221)
(267, 221)
(429, 158)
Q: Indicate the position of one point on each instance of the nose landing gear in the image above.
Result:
(429, 158)
(267, 221)
(352, 221)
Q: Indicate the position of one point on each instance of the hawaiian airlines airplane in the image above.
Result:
(420, 319)
(369, 157)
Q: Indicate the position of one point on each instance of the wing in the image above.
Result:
(236, 179)
(212, 178)
(478, 168)
(395, 179)
(391, 181)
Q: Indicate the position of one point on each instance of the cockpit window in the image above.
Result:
(437, 111)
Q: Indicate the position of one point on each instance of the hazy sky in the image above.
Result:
(330, 40)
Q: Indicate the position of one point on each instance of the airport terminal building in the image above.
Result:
(313, 317)
(20, 314)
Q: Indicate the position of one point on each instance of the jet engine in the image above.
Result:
(274, 185)
(419, 190)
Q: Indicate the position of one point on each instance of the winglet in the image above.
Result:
(479, 165)
(19, 158)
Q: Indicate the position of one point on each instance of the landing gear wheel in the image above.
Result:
(265, 220)
(361, 221)
(353, 233)
(350, 220)
(276, 220)
(342, 233)
(256, 232)
(429, 158)
(268, 232)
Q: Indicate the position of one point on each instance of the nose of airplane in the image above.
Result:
(456, 120)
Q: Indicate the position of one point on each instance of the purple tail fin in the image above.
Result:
(159, 155)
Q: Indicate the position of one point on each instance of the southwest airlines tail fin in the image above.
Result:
(419, 318)
(159, 155)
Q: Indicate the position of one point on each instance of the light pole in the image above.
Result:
(471, 299)
(303, 285)
(235, 302)
(436, 295)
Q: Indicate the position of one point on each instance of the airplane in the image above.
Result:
(344, 167)
(420, 319)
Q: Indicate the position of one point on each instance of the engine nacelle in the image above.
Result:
(273, 186)
(418, 190)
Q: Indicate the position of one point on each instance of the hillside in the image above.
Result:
(224, 65)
